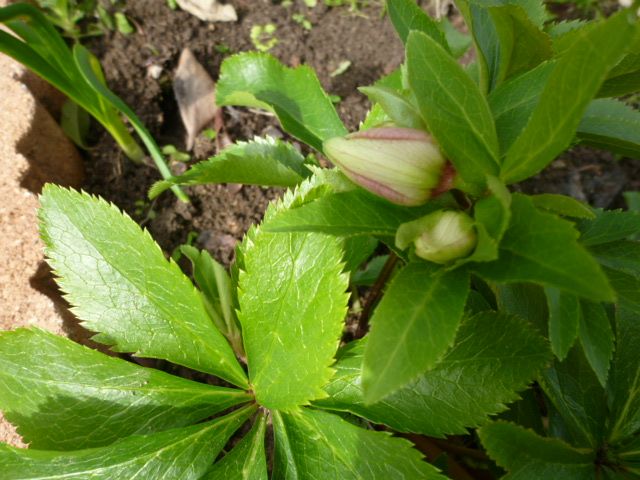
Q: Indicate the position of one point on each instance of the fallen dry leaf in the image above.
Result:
(209, 10)
(195, 94)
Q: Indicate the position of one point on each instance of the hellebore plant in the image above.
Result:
(428, 175)
(508, 322)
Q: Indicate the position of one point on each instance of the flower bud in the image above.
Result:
(402, 165)
(439, 237)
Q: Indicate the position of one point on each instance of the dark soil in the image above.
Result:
(220, 214)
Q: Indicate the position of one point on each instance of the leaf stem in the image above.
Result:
(374, 295)
(125, 140)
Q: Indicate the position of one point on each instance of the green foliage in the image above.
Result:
(526, 455)
(432, 403)
(259, 162)
(539, 324)
(414, 325)
(453, 108)
(177, 453)
(247, 461)
(259, 80)
(316, 444)
(575, 79)
(98, 401)
(134, 298)
(542, 248)
(290, 341)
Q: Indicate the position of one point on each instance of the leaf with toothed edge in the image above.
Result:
(414, 325)
(312, 444)
(64, 396)
(262, 161)
(493, 358)
(184, 453)
(528, 456)
(121, 286)
(292, 299)
(291, 316)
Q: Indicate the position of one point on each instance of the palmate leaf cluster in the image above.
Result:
(543, 317)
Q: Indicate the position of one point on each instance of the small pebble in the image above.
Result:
(154, 71)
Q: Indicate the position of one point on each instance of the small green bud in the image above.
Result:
(439, 237)
(402, 165)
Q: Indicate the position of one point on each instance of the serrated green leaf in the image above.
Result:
(350, 213)
(622, 255)
(292, 308)
(247, 460)
(293, 94)
(596, 338)
(315, 444)
(542, 248)
(562, 205)
(453, 108)
(525, 300)
(528, 456)
(564, 319)
(627, 287)
(183, 453)
(262, 161)
(578, 397)
(609, 226)
(624, 381)
(63, 396)
(494, 356)
(611, 125)
(574, 81)
(406, 16)
(121, 286)
(414, 325)
(559, 28)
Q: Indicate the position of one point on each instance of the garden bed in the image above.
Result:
(220, 214)
(347, 49)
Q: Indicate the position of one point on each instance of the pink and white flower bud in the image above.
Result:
(402, 165)
(439, 237)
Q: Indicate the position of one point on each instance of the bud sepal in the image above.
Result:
(439, 237)
(403, 165)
